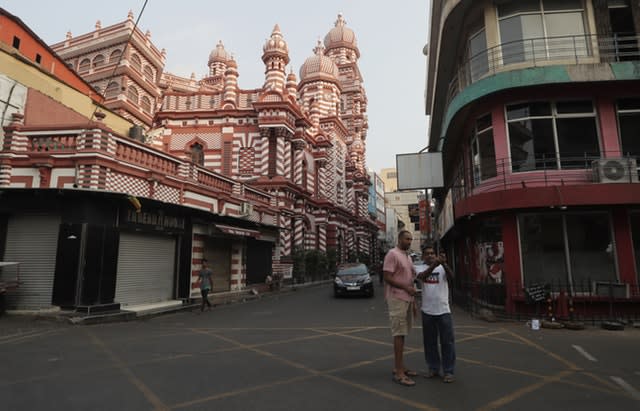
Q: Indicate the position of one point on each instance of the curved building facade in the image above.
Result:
(535, 106)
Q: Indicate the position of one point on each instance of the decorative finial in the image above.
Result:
(319, 48)
(341, 21)
(130, 15)
(98, 25)
(69, 36)
(148, 34)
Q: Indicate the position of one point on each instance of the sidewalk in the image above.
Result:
(133, 312)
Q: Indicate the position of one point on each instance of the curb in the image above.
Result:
(220, 299)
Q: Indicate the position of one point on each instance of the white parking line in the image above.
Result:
(634, 393)
(584, 353)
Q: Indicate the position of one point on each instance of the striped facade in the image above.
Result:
(301, 141)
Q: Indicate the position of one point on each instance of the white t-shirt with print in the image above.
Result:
(435, 293)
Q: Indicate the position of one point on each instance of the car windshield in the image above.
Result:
(359, 269)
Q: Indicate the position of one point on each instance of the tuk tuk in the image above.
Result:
(9, 280)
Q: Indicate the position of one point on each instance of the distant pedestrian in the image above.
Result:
(399, 292)
(437, 324)
(205, 284)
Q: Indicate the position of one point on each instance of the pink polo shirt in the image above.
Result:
(398, 263)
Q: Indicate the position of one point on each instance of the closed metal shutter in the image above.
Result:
(145, 269)
(32, 240)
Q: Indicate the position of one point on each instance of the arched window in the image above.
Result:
(135, 62)
(112, 91)
(84, 65)
(148, 73)
(146, 104)
(98, 61)
(115, 56)
(132, 94)
(197, 154)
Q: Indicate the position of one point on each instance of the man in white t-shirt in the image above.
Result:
(436, 315)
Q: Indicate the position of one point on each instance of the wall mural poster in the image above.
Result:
(490, 261)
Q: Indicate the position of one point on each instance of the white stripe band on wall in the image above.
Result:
(584, 353)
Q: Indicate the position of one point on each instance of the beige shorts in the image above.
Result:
(400, 315)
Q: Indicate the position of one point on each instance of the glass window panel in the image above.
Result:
(483, 122)
(590, 249)
(577, 141)
(487, 155)
(572, 107)
(562, 5)
(629, 104)
(520, 6)
(479, 62)
(566, 37)
(630, 133)
(635, 232)
(543, 252)
(524, 110)
(511, 39)
(532, 145)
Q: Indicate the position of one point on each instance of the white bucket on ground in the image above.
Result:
(535, 324)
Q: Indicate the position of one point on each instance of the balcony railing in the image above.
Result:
(543, 51)
(543, 171)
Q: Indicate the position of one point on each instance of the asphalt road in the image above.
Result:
(306, 351)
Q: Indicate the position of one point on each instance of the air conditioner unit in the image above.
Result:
(615, 170)
(246, 209)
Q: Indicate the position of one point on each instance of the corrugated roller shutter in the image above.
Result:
(145, 269)
(32, 240)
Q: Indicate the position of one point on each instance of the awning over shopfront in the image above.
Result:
(237, 231)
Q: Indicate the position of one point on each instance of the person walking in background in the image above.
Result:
(205, 284)
(437, 324)
(399, 292)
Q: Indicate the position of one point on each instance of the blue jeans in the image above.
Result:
(440, 327)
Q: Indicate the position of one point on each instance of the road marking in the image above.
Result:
(540, 348)
(584, 353)
(131, 377)
(634, 393)
(500, 402)
(28, 336)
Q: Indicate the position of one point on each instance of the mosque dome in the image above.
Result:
(276, 43)
(341, 36)
(319, 66)
(219, 54)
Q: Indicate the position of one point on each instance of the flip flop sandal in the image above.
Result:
(408, 373)
(404, 381)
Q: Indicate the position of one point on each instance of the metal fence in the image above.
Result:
(589, 301)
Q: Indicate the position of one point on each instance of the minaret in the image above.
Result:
(275, 57)
(218, 60)
(230, 84)
(292, 86)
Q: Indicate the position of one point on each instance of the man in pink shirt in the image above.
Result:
(399, 292)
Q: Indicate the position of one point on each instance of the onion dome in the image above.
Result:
(219, 54)
(341, 36)
(276, 45)
(319, 66)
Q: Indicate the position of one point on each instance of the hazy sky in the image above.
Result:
(390, 37)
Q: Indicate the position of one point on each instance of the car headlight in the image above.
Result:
(338, 281)
(367, 279)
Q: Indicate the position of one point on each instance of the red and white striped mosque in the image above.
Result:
(300, 139)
